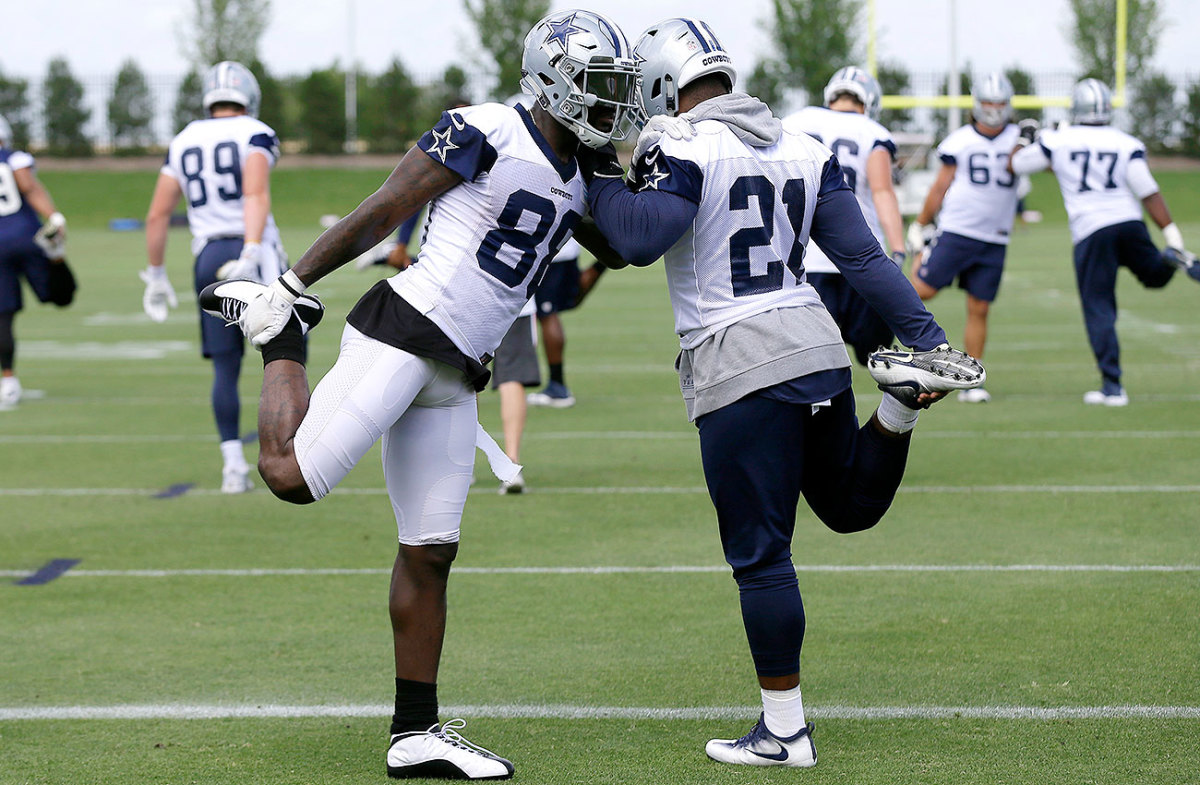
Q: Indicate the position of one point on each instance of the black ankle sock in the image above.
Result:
(556, 373)
(288, 345)
(416, 706)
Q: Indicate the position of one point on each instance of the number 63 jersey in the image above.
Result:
(489, 239)
(206, 159)
(744, 253)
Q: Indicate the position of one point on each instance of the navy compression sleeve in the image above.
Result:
(639, 226)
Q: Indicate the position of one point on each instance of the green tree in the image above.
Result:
(941, 123)
(1093, 33)
(1154, 111)
(894, 79)
(189, 101)
(323, 110)
(270, 108)
(1191, 122)
(390, 101)
(501, 26)
(219, 30)
(130, 109)
(14, 106)
(766, 82)
(1022, 82)
(64, 111)
(813, 38)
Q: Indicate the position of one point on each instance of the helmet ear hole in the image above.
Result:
(656, 88)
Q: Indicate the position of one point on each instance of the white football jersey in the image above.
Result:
(744, 252)
(206, 159)
(489, 240)
(981, 202)
(852, 137)
(1091, 163)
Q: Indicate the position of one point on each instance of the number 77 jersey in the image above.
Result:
(744, 253)
(206, 159)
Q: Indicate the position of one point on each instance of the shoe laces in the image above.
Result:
(756, 734)
(449, 733)
(231, 310)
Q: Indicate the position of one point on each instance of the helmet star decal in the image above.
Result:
(441, 145)
(561, 30)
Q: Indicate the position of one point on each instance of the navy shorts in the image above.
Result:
(215, 336)
(23, 260)
(977, 265)
(559, 289)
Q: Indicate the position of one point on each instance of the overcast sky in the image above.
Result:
(427, 36)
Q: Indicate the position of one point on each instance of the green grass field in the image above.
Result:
(1027, 612)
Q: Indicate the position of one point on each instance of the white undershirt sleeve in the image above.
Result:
(1141, 182)
(1030, 159)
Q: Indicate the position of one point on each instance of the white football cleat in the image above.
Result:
(236, 479)
(515, 485)
(976, 395)
(10, 391)
(228, 300)
(441, 753)
(1101, 398)
(906, 375)
(760, 747)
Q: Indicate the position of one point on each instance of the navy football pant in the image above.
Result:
(760, 455)
(1097, 258)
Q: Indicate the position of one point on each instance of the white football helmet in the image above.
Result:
(993, 89)
(858, 83)
(231, 82)
(673, 54)
(579, 68)
(5, 132)
(1091, 103)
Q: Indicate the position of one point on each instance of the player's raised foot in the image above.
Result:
(441, 753)
(236, 479)
(760, 747)
(555, 395)
(975, 395)
(906, 375)
(10, 391)
(1183, 260)
(228, 300)
(1109, 398)
(515, 485)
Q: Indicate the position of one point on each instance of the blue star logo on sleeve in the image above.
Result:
(561, 30)
(652, 178)
(441, 145)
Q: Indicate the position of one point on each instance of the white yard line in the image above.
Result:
(180, 711)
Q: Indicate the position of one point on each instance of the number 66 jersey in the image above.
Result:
(206, 159)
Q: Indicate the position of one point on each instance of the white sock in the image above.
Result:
(231, 451)
(895, 416)
(783, 711)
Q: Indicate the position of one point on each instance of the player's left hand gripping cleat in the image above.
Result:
(1184, 260)
(229, 300)
(760, 747)
(906, 375)
(441, 753)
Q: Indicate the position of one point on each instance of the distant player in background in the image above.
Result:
(514, 369)
(1105, 183)
(974, 200)
(221, 166)
(847, 126)
(29, 249)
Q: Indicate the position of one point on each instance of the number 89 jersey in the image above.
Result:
(206, 159)
(489, 239)
(744, 252)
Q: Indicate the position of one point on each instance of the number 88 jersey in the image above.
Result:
(206, 159)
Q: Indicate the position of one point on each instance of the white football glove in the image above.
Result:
(919, 236)
(245, 267)
(159, 295)
(1173, 237)
(659, 126)
(267, 314)
(52, 237)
